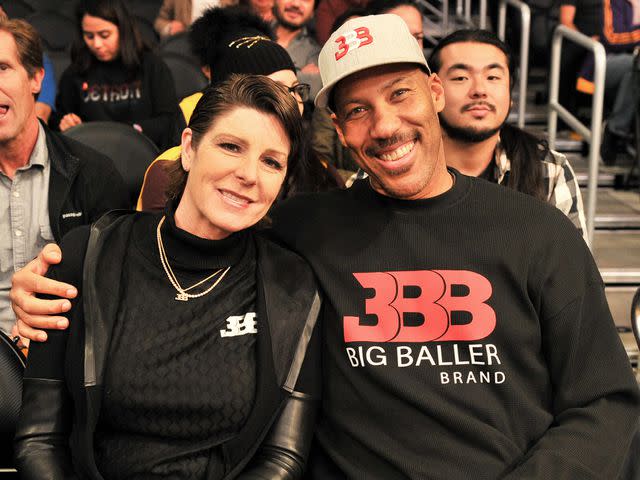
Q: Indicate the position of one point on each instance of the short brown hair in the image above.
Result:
(27, 43)
(251, 91)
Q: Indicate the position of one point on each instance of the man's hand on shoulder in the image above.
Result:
(34, 313)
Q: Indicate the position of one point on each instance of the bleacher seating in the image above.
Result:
(187, 75)
(17, 8)
(56, 30)
(178, 44)
(130, 150)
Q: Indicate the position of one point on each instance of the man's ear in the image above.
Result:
(338, 128)
(36, 81)
(437, 91)
(186, 153)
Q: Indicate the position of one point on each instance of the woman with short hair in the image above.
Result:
(191, 352)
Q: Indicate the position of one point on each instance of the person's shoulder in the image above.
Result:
(73, 246)
(512, 206)
(269, 243)
(308, 206)
(555, 158)
(277, 260)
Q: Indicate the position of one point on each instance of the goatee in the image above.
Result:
(468, 134)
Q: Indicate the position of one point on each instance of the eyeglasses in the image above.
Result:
(300, 91)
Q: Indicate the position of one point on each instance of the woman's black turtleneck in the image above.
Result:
(177, 386)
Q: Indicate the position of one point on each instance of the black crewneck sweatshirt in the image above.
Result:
(108, 91)
(466, 336)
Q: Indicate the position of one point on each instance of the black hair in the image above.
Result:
(473, 36)
(217, 26)
(524, 151)
(131, 45)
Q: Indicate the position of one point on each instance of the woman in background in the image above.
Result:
(113, 76)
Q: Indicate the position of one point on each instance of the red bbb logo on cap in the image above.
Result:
(352, 39)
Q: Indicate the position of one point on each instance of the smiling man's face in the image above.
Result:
(387, 117)
(476, 84)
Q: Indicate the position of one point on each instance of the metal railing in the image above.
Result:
(441, 14)
(462, 15)
(635, 316)
(525, 14)
(593, 135)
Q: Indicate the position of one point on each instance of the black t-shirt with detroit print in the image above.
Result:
(110, 92)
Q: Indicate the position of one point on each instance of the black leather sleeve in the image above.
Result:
(42, 436)
(284, 452)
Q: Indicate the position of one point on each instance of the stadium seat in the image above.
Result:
(147, 9)
(12, 365)
(130, 150)
(56, 30)
(17, 8)
(187, 76)
(178, 44)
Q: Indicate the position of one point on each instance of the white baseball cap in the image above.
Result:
(362, 43)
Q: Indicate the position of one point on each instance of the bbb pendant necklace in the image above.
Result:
(182, 294)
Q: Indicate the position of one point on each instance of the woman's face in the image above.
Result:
(102, 38)
(288, 79)
(235, 173)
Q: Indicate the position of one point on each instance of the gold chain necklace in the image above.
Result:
(182, 295)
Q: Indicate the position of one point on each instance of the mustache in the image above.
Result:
(396, 139)
(469, 106)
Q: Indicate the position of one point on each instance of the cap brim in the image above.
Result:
(322, 98)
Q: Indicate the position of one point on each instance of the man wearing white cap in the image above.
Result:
(460, 340)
